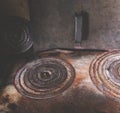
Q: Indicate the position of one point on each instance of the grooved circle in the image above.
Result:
(105, 73)
(17, 38)
(44, 78)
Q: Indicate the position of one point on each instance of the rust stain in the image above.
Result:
(77, 80)
(9, 99)
(81, 96)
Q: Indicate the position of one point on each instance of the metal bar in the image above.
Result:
(81, 28)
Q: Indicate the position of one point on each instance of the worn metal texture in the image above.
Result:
(81, 96)
(53, 23)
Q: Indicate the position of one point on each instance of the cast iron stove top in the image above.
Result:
(63, 81)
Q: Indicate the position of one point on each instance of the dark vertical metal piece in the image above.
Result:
(78, 28)
(81, 27)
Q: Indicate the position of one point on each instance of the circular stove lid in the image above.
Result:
(105, 73)
(44, 78)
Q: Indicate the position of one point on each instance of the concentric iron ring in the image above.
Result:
(105, 73)
(44, 78)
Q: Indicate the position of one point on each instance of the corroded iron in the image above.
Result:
(105, 73)
(44, 78)
(82, 95)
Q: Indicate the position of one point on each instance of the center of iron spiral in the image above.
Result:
(44, 78)
(45, 75)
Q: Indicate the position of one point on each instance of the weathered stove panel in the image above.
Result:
(80, 95)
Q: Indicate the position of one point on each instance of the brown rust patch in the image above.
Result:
(81, 96)
(9, 99)
(81, 66)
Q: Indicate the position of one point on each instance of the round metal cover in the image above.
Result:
(44, 78)
(16, 38)
(105, 73)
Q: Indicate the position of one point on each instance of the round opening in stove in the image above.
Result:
(105, 73)
(44, 78)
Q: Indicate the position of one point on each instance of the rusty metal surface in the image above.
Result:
(81, 96)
